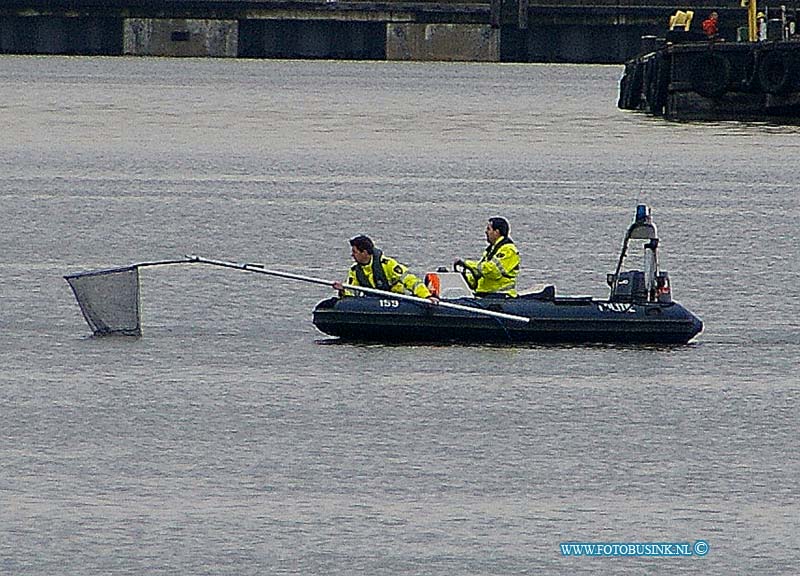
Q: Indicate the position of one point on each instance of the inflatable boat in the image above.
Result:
(639, 309)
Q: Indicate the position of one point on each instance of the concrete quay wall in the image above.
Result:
(491, 30)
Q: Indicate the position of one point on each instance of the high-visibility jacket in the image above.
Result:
(386, 273)
(496, 271)
(710, 27)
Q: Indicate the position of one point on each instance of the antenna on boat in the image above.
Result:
(644, 173)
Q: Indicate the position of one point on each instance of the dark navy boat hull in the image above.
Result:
(559, 320)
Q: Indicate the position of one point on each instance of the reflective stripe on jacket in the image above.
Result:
(397, 277)
(496, 272)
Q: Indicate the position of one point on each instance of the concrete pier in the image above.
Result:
(469, 42)
(601, 31)
(180, 37)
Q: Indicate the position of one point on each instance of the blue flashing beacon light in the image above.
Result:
(642, 214)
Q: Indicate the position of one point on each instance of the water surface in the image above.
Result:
(232, 438)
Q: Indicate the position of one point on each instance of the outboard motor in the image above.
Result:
(648, 284)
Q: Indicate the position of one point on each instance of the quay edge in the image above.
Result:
(552, 31)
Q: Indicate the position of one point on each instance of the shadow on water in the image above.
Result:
(509, 345)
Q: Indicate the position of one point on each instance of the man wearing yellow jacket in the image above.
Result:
(495, 274)
(373, 269)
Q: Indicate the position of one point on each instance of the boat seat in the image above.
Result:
(539, 293)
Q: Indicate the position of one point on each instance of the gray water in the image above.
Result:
(233, 438)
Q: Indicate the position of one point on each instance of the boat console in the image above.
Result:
(649, 284)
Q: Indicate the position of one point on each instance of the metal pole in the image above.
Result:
(261, 270)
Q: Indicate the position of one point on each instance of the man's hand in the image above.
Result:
(433, 300)
(337, 286)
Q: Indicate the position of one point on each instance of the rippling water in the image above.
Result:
(232, 439)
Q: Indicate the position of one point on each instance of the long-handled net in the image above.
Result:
(109, 299)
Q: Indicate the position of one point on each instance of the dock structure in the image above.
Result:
(581, 31)
(715, 81)
(693, 75)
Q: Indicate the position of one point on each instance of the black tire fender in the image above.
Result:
(775, 72)
(712, 75)
(636, 87)
(630, 87)
(660, 84)
(624, 92)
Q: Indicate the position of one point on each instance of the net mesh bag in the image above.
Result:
(109, 300)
